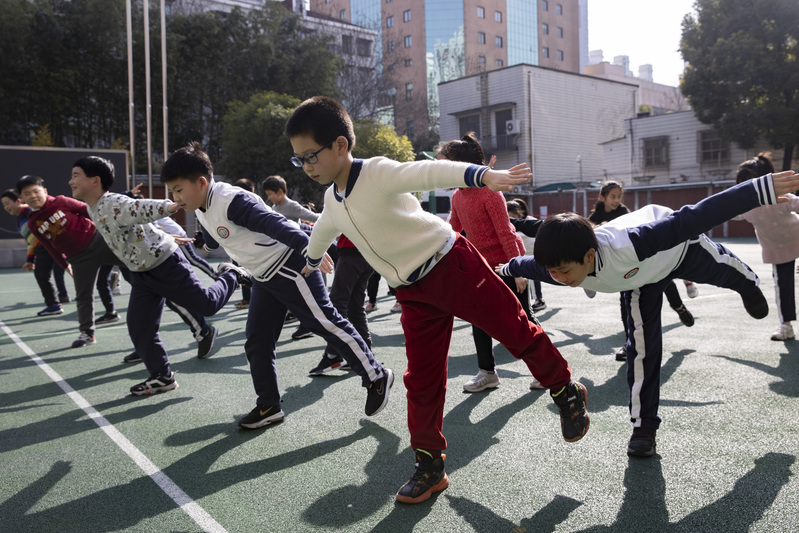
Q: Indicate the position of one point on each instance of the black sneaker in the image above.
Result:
(132, 357)
(642, 443)
(377, 392)
(685, 316)
(155, 383)
(107, 318)
(621, 355)
(538, 305)
(290, 318)
(574, 418)
(64, 299)
(755, 303)
(428, 479)
(301, 333)
(262, 416)
(327, 364)
(242, 276)
(206, 344)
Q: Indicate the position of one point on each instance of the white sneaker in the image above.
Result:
(482, 381)
(396, 308)
(693, 290)
(783, 333)
(536, 385)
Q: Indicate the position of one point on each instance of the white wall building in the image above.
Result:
(671, 148)
(554, 120)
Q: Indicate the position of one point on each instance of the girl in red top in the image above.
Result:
(483, 215)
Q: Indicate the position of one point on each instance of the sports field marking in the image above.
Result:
(183, 500)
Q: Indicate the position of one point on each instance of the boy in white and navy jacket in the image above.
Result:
(157, 270)
(438, 274)
(272, 249)
(639, 254)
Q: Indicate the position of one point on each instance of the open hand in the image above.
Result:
(506, 180)
(785, 182)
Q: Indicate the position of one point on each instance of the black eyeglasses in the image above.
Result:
(310, 158)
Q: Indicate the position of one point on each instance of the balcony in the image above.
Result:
(499, 143)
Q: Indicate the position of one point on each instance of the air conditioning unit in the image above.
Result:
(512, 127)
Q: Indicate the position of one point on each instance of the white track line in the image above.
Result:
(183, 500)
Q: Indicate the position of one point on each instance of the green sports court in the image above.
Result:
(78, 453)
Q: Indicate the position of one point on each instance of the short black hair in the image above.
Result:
(245, 184)
(514, 209)
(564, 238)
(28, 181)
(190, 162)
(274, 183)
(755, 167)
(97, 166)
(11, 194)
(323, 119)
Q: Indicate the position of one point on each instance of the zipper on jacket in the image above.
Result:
(349, 214)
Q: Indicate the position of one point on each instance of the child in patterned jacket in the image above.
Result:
(157, 269)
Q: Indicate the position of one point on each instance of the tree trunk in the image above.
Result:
(787, 157)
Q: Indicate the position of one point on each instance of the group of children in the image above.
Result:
(370, 203)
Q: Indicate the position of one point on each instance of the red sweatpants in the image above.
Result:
(463, 285)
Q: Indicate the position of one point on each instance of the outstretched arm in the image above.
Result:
(692, 220)
(525, 267)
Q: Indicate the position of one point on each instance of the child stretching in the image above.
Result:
(157, 270)
(65, 229)
(272, 249)
(609, 207)
(438, 274)
(640, 253)
(483, 215)
(37, 259)
(777, 230)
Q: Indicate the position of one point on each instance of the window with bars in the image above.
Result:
(656, 152)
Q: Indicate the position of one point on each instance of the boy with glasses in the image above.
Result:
(438, 274)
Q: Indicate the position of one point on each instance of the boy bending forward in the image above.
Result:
(157, 270)
(272, 249)
(640, 253)
(438, 275)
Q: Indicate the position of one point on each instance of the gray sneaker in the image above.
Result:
(482, 381)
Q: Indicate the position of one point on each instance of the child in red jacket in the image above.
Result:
(64, 228)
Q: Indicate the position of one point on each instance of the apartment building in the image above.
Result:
(424, 43)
